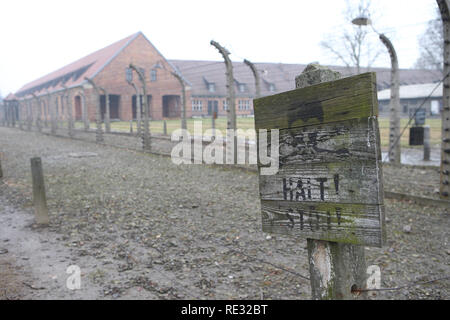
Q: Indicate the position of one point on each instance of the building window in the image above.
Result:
(153, 75)
(197, 105)
(211, 87)
(241, 87)
(225, 105)
(244, 105)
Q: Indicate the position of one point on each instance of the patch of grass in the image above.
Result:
(435, 131)
(156, 126)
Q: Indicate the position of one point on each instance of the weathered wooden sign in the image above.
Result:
(329, 182)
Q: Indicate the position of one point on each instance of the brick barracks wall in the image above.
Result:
(112, 78)
(222, 112)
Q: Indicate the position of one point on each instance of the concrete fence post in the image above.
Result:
(426, 143)
(39, 198)
(98, 117)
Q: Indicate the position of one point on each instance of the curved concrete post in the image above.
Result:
(84, 112)
(183, 97)
(98, 115)
(29, 114)
(138, 106)
(38, 112)
(45, 112)
(146, 142)
(70, 124)
(444, 185)
(256, 76)
(107, 113)
(394, 127)
(51, 109)
(231, 111)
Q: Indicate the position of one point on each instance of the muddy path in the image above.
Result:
(140, 227)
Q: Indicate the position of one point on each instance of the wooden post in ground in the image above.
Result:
(165, 128)
(1, 171)
(39, 198)
(131, 126)
(334, 267)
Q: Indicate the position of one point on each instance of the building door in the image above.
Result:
(171, 106)
(213, 106)
(78, 112)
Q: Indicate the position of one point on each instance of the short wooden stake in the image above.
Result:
(165, 128)
(1, 171)
(39, 198)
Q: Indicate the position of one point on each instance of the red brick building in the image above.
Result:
(107, 68)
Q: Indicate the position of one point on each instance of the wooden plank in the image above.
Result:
(341, 182)
(352, 140)
(346, 223)
(340, 100)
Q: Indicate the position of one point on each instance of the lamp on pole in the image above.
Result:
(394, 123)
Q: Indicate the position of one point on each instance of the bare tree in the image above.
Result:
(352, 47)
(431, 45)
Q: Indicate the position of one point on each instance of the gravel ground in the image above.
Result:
(140, 227)
(417, 181)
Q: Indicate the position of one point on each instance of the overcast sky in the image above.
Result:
(38, 37)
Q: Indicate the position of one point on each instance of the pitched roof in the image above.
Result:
(10, 96)
(414, 91)
(73, 74)
(280, 75)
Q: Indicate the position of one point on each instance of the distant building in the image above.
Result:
(427, 96)
(107, 68)
(205, 83)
